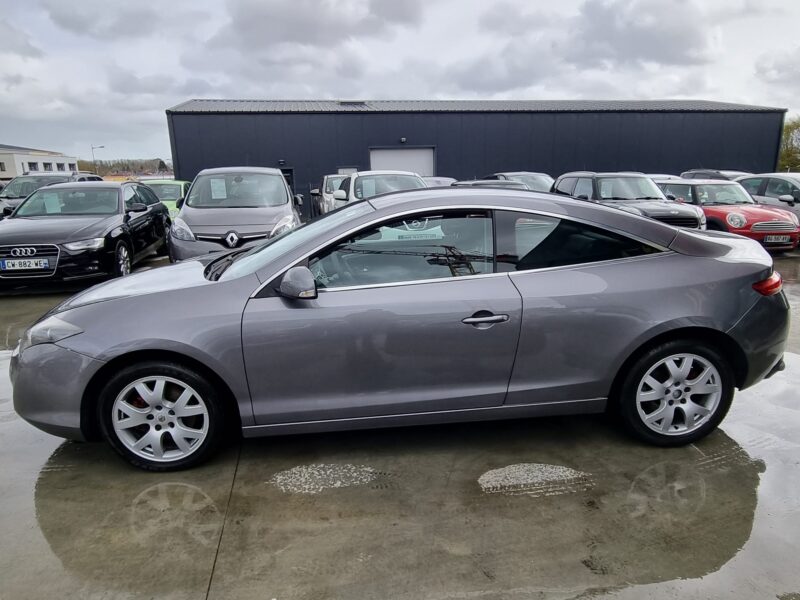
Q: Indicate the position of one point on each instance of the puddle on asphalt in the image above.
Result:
(313, 479)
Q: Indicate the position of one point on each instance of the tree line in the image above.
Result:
(125, 166)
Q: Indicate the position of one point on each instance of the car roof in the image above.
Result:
(149, 181)
(602, 174)
(489, 183)
(90, 184)
(223, 170)
(384, 172)
(521, 173)
(789, 174)
(694, 181)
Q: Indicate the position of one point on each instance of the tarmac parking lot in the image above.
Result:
(550, 508)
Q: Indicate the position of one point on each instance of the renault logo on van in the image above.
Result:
(231, 238)
(23, 251)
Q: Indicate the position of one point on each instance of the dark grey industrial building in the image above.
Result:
(468, 139)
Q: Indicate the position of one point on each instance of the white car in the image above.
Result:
(324, 193)
(774, 189)
(366, 184)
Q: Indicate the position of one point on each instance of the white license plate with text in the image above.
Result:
(777, 238)
(19, 264)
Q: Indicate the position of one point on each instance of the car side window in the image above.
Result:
(583, 189)
(565, 186)
(147, 196)
(778, 187)
(682, 192)
(416, 247)
(752, 185)
(527, 241)
(129, 196)
(345, 186)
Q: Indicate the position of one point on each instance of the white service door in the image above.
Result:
(416, 160)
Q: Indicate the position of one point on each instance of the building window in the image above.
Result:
(48, 166)
(60, 166)
(73, 167)
(2, 167)
(32, 166)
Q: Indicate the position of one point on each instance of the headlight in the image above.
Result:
(48, 331)
(92, 244)
(287, 223)
(703, 220)
(181, 231)
(736, 220)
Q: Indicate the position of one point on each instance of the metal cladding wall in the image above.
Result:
(472, 144)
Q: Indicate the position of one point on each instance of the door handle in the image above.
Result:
(484, 318)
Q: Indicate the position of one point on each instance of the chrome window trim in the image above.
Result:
(450, 207)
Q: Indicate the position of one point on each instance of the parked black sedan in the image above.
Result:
(74, 231)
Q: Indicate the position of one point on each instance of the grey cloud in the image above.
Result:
(16, 41)
(101, 19)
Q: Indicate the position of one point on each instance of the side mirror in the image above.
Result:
(136, 207)
(340, 195)
(298, 283)
(315, 192)
(671, 197)
(788, 198)
(298, 199)
(7, 210)
(179, 202)
(582, 197)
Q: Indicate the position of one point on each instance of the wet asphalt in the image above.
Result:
(547, 508)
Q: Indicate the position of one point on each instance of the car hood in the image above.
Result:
(655, 208)
(751, 212)
(54, 230)
(182, 275)
(212, 219)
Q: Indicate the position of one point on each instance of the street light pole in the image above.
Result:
(94, 162)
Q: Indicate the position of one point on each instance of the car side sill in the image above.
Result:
(542, 409)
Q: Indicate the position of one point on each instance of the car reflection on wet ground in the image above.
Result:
(547, 508)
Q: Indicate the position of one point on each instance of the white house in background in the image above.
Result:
(16, 160)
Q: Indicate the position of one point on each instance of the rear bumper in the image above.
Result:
(761, 333)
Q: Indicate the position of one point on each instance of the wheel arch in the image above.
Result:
(719, 340)
(716, 224)
(90, 425)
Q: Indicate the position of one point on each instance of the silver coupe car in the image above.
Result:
(429, 306)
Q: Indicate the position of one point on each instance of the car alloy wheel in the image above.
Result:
(678, 394)
(675, 393)
(160, 419)
(123, 260)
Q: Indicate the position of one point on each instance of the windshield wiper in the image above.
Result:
(648, 198)
(618, 198)
(218, 266)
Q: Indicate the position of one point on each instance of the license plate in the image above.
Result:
(777, 238)
(20, 264)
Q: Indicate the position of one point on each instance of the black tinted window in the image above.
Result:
(565, 186)
(528, 241)
(752, 184)
(147, 196)
(425, 246)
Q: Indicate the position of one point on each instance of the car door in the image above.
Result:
(775, 188)
(139, 222)
(410, 318)
(583, 304)
(158, 214)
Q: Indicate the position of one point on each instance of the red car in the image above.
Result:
(728, 207)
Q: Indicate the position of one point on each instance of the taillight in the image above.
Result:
(770, 286)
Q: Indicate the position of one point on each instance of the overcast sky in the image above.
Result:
(80, 72)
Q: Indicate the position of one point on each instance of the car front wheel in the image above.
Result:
(122, 260)
(676, 393)
(161, 416)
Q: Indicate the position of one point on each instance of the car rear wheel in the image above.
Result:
(122, 260)
(676, 393)
(161, 416)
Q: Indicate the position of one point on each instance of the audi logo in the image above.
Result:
(23, 251)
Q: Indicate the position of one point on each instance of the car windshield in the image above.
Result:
(628, 188)
(238, 190)
(69, 202)
(728, 193)
(21, 187)
(166, 191)
(332, 183)
(368, 186)
(260, 256)
(538, 183)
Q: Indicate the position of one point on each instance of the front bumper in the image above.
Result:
(71, 267)
(760, 237)
(762, 333)
(48, 383)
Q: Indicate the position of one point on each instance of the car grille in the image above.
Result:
(774, 226)
(690, 222)
(243, 239)
(48, 251)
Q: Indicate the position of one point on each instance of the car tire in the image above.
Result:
(666, 401)
(163, 249)
(122, 257)
(161, 416)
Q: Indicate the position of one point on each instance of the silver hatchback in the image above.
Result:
(436, 305)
